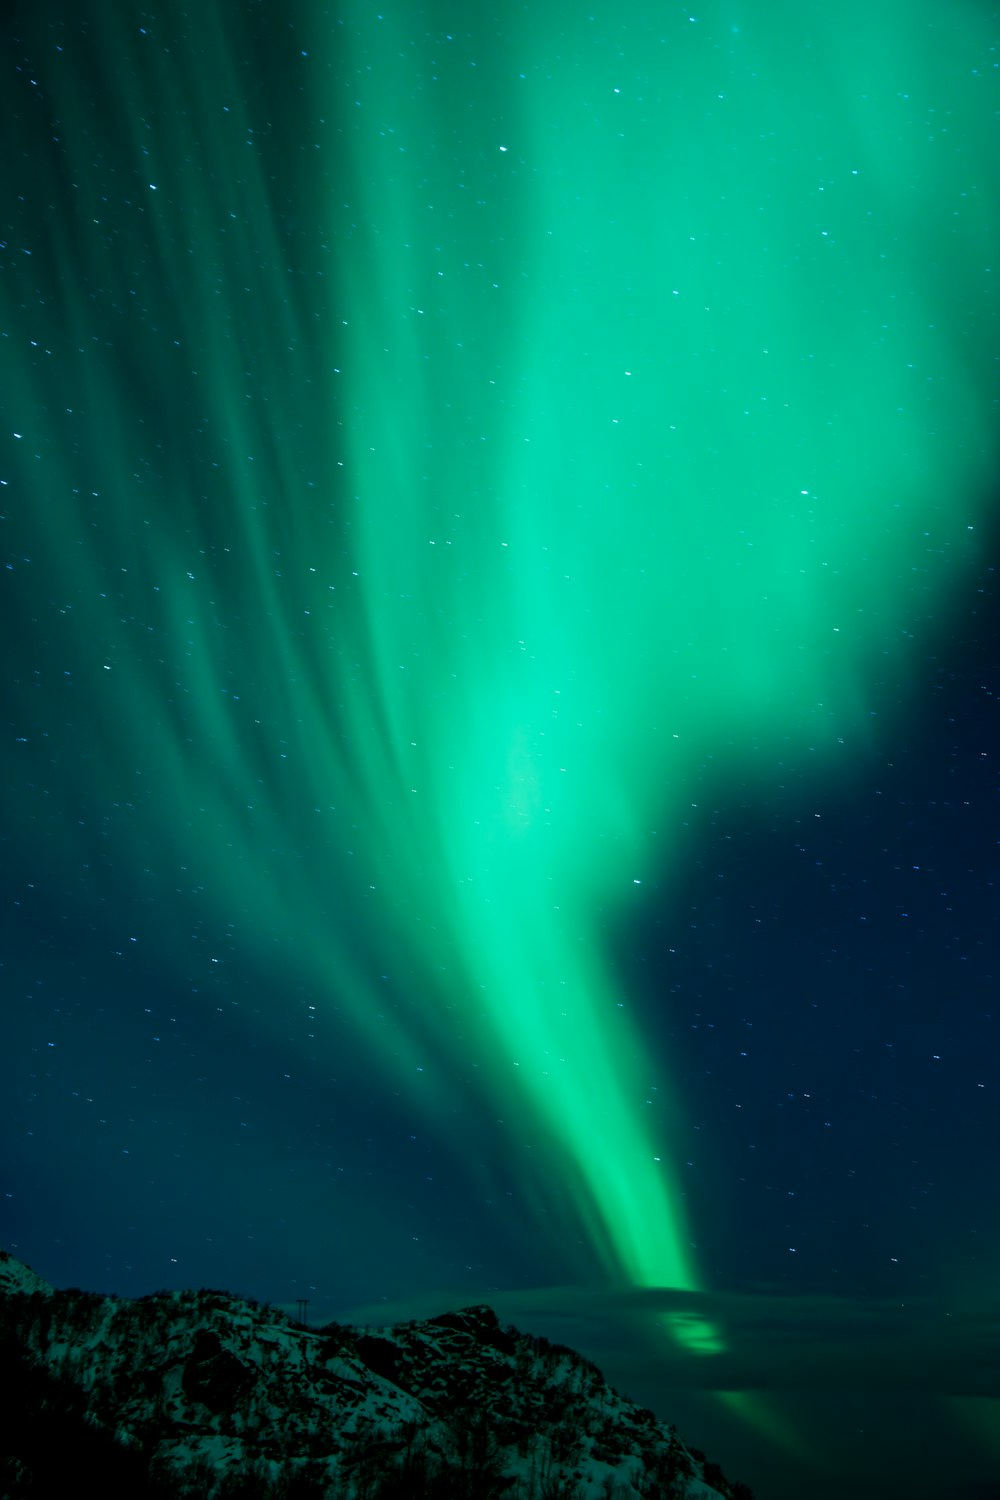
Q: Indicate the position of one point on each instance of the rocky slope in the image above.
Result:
(207, 1394)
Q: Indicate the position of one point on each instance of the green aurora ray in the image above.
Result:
(644, 463)
(439, 434)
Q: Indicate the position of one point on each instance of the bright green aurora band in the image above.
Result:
(543, 399)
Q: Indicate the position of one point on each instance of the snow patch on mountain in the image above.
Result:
(209, 1386)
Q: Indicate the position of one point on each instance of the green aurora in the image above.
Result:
(543, 402)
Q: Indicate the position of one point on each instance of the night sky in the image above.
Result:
(500, 681)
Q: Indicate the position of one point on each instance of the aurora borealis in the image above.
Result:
(497, 516)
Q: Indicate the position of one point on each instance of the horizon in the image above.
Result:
(902, 1376)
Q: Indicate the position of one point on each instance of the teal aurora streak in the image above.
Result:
(543, 400)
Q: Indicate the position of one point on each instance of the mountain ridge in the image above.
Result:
(216, 1395)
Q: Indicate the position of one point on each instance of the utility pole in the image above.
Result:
(303, 1304)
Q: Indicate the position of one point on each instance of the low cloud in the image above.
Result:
(769, 1341)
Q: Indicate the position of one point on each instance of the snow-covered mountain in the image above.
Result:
(204, 1394)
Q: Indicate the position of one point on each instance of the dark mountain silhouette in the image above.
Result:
(204, 1394)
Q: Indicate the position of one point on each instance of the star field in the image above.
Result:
(500, 697)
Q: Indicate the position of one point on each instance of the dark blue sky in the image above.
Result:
(187, 1096)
